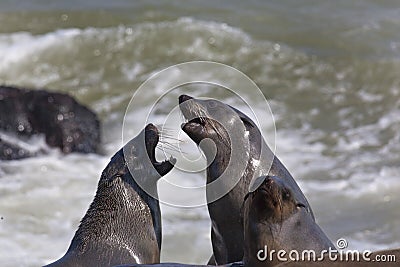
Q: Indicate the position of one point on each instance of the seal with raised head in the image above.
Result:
(123, 223)
(212, 119)
(275, 222)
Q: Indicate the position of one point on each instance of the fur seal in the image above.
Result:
(123, 223)
(273, 220)
(217, 121)
(64, 122)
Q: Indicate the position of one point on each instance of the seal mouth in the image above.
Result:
(194, 116)
(193, 126)
(183, 98)
(203, 120)
(152, 137)
(197, 122)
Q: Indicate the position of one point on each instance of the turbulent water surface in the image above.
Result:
(329, 69)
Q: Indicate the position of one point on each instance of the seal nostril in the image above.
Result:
(151, 126)
(151, 130)
(183, 98)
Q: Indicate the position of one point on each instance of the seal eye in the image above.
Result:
(285, 195)
(301, 205)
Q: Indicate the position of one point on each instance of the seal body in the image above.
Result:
(275, 221)
(123, 223)
(229, 129)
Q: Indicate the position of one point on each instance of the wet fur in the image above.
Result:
(274, 218)
(123, 223)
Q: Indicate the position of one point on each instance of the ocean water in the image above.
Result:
(329, 70)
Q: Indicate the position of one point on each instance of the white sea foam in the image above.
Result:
(20, 46)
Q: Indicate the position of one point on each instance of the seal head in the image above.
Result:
(274, 220)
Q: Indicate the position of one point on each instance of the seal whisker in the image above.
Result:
(170, 147)
(171, 138)
(164, 128)
(175, 144)
(168, 131)
(163, 143)
(183, 117)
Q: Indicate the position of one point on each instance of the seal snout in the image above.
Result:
(269, 181)
(265, 183)
(273, 186)
(194, 115)
(152, 131)
(269, 191)
(151, 127)
(268, 187)
(183, 98)
(187, 107)
(152, 137)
